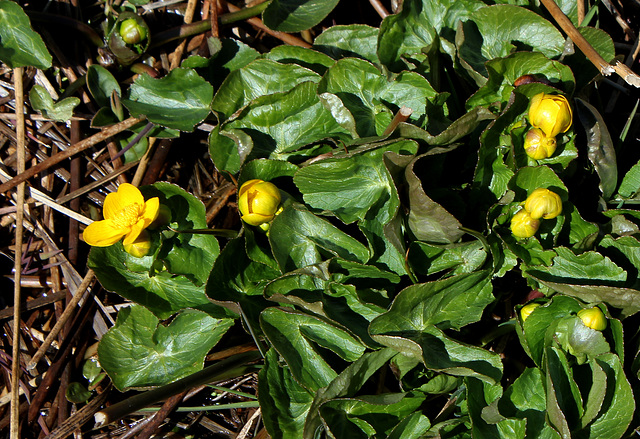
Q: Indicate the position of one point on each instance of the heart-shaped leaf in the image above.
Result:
(140, 352)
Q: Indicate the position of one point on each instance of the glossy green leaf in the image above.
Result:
(60, 111)
(305, 239)
(296, 15)
(102, 84)
(600, 148)
(284, 402)
(417, 25)
(579, 340)
(437, 303)
(77, 393)
(459, 258)
(20, 45)
(347, 383)
(478, 404)
(139, 351)
(487, 35)
(414, 426)
(179, 100)
(297, 337)
(368, 415)
(526, 399)
(503, 72)
(371, 97)
(428, 220)
(355, 40)
(311, 59)
(259, 78)
(618, 405)
(564, 402)
(630, 184)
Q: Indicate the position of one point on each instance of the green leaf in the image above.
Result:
(258, 78)
(371, 97)
(279, 124)
(618, 406)
(348, 383)
(428, 220)
(102, 84)
(564, 402)
(487, 35)
(283, 401)
(503, 72)
(60, 111)
(20, 45)
(417, 25)
(77, 393)
(368, 415)
(630, 185)
(414, 426)
(460, 258)
(439, 303)
(581, 66)
(600, 148)
(140, 352)
(298, 336)
(526, 399)
(296, 15)
(355, 40)
(477, 403)
(179, 100)
(313, 60)
(185, 253)
(579, 340)
(236, 279)
(305, 239)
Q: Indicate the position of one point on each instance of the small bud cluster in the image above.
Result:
(542, 203)
(549, 115)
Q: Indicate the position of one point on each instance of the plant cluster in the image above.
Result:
(430, 246)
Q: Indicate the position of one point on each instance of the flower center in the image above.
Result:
(128, 216)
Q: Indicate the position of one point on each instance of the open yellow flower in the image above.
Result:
(258, 201)
(126, 214)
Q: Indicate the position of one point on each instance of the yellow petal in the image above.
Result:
(102, 233)
(151, 210)
(115, 202)
(134, 232)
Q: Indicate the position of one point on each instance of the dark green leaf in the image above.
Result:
(297, 336)
(101, 84)
(310, 59)
(600, 148)
(20, 45)
(140, 352)
(179, 100)
(296, 15)
(305, 239)
(355, 40)
(41, 100)
(564, 403)
(77, 393)
(283, 401)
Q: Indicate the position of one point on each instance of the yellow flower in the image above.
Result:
(523, 226)
(126, 214)
(258, 201)
(543, 203)
(551, 113)
(593, 318)
(526, 310)
(537, 145)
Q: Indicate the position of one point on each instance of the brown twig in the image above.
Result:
(380, 9)
(69, 152)
(69, 310)
(35, 303)
(401, 116)
(603, 66)
(15, 365)
(188, 18)
(81, 417)
(159, 417)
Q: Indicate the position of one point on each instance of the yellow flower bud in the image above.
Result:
(526, 310)
(140, 247)
(523, 226)
(132, 32)
(593, 318)
(551, 113)
(258, 201)
(537, 145)
(543, 203)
